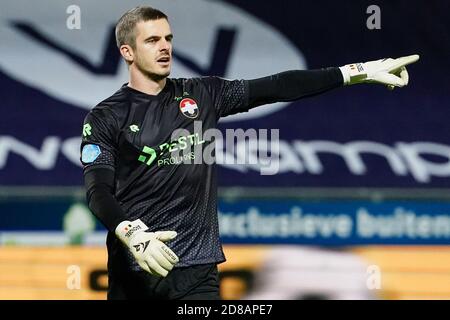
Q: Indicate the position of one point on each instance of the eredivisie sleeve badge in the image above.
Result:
(189, 108)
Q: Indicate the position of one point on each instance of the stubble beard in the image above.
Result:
(151, 74)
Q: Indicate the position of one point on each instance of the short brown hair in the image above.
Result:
(125, 27)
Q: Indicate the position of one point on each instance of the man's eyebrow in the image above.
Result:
(152, 37)
(169, 36)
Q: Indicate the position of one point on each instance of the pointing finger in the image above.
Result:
(403, 61)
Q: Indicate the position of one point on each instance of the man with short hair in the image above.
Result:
(161, 211)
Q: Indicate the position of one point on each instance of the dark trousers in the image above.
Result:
(199, 282)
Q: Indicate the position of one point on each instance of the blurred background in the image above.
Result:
(360, 206)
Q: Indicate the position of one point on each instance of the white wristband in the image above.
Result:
(345, 74)
(126, 230)
(353, 73)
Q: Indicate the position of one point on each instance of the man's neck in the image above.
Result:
(143, 83)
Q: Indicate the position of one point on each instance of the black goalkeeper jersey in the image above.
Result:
(132, 133)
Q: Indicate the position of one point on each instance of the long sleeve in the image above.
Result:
(98, 157)
(292, 85)
(99, 184)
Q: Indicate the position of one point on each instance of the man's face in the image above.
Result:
(153, 52)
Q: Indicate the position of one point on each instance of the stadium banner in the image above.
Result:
(335, 223)
(53, 72)
(275, 221)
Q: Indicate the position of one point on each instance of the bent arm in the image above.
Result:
(99, 184)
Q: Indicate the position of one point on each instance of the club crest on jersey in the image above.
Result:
(189, 108)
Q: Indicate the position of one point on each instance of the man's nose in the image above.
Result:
(165, 45)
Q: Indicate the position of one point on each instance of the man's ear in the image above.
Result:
(127, 53)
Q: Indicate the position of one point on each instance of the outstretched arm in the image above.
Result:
(293, 85)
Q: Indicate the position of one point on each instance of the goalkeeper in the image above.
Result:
(163, 240)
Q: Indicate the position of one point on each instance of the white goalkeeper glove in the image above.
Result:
(390, 72)
(148, 248)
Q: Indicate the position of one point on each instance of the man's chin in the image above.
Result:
(158, 76)
(161, 74)
(155, 74)
(166, 74)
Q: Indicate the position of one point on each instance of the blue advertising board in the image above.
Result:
(250, 221)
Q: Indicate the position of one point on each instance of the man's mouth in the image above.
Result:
(163, 60)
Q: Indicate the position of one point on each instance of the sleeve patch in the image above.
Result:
(90, 153)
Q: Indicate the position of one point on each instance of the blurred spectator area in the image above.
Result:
(48, 273)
